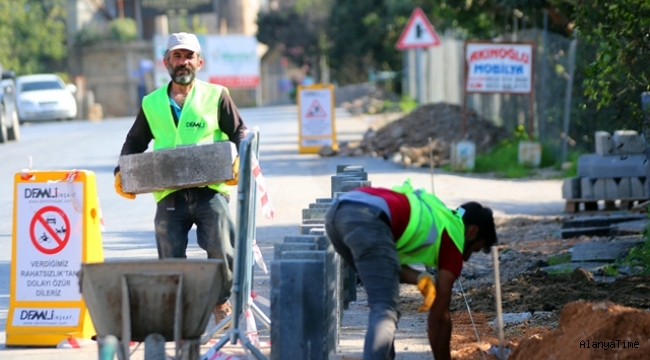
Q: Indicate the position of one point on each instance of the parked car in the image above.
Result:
(9, 127)
(45, 97)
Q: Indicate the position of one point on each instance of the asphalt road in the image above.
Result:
(293, 181)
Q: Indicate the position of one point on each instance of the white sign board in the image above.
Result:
(499, 68)
(49, 237)
(316, 115)
(229, 60)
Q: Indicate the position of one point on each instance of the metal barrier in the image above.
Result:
(243, 265)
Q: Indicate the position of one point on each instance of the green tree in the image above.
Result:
(32, 34)
(363, 34)
(619, 32)
(298, 30)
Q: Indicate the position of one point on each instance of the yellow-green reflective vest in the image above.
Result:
(420, 242)
(199, 122)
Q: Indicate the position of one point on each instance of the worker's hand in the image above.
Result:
(427, 287)
(118, 187)
(235, 171)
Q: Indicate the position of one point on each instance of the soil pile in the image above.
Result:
(406, 140)
(592, 331)
(540, 291)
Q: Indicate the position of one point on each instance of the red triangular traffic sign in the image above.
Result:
(418, 33)
(315, 110)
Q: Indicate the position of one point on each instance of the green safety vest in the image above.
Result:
(420, 242)
(199, 122)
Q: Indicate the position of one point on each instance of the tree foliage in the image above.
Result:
(298, 30)
(32, 34)
(363, 34)
(620, 32)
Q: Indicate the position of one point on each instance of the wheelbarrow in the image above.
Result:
(151, 301)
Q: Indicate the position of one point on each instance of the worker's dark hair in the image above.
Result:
(477, 214)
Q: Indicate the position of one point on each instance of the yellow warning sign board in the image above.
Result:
(316, 118)
(56, 227)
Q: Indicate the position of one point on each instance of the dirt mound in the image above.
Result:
(408, 137)
(592, 331)
(540, 291)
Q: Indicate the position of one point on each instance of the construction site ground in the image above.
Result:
(529, 214)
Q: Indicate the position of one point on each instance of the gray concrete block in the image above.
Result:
(605, 189)
(361, 174)
(595, 166)
(324, 200)
(316, 213)
(587, 188)
(352, 168)
(317, 205)
(339, 168)
(313, 221)
(330, 259)
(637, 188)
(317, 231)
(602, 251)
(627, 142)
(321, 242)
(336, 181)
(604, 143)
(351, 185)
(183, 167)
(624, 188)
(571, 188)
(304, 229)
(338, 194)
(299, 310)
(278, 249)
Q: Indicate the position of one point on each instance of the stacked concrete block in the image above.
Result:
(310, 284)
(278, 249)
(604, 143)
(349, 178)
(628, 142)
(298, 310)
(618, 170)
(322, 250)
(178, 168)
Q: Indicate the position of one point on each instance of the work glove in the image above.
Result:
(427, 287)
(118, 187)
(235, 171)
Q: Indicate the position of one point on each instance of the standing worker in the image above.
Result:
(380, 232)
(189, 111)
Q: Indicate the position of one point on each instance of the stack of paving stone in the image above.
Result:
(310, 284)
(616, 173)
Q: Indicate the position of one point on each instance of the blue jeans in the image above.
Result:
(215, 231)
(361, 234)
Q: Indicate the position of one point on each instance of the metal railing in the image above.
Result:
(243, 265)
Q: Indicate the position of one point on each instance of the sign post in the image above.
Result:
(418, 34)
(316, 120)
(56, 227)
(502, 68)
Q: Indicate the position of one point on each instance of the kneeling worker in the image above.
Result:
(380, 232)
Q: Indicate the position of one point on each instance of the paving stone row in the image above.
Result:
(311, 285)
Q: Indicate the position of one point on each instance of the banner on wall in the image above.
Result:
(229, 60)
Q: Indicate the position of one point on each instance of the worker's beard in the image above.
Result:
(180, 77)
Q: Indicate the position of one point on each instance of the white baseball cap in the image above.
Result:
(185, 41)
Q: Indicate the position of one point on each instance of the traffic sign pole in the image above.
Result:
(418, 34)
(418, 75)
